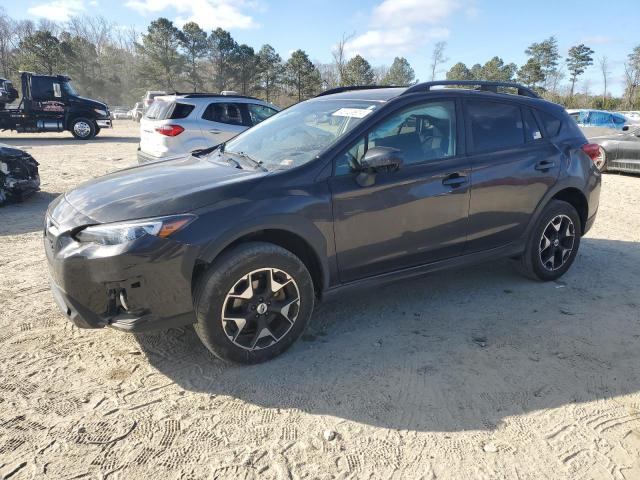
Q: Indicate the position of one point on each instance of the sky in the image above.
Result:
(475, 30)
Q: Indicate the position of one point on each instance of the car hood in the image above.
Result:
(162, 188)
(90, 102)
(7, 151)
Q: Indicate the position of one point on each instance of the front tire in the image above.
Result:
(553, 244)
(83, 128)
(253, 303)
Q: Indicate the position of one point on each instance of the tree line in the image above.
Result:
(118, 64)
(544, 72)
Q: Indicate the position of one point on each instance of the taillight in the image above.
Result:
(592, 150)
(170, 130)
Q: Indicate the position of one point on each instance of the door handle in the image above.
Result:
(545, 165)
(454, 180)
(215, 130)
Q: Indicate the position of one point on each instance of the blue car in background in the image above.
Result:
(599, 118)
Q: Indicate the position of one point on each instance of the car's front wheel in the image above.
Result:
(83, 128)
(553, 244)
(253, 302)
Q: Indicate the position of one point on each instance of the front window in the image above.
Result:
(259, 113)
(300, 133)
(421, 133)
(68, 89)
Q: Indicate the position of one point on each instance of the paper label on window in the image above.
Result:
(352, 112)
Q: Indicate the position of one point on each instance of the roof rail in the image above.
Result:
(483, 85)
(206, 95)
(331, 91)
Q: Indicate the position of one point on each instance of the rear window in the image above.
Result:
(228, 113)
(168, 110)
(550, 122)
(495, 126)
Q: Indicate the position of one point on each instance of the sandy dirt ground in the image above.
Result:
(476, 373)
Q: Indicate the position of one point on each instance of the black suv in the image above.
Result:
(356, 186)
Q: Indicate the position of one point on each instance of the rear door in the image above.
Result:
(222, 121)
(513, 165)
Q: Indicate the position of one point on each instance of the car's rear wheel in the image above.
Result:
(83, 128)
(253, 302)
(601, 160)
(554, 242)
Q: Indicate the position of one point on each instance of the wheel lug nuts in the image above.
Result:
(253, 307)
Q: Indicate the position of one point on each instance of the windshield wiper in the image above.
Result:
(256, 163)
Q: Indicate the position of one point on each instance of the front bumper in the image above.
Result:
(104, 123)
(139, 286)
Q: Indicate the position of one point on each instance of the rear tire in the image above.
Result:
(553, 244)
(253, 302)
(601, 161)
(83, 128)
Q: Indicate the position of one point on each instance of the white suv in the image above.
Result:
(176, 125)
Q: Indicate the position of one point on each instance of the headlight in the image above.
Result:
(123, 232)
(102, 113)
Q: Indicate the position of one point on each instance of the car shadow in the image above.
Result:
(455, 350)
(25, 216)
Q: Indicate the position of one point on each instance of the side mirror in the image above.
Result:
(381, 158)
(375, 160)
(625, 128)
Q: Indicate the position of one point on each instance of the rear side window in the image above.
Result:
(618, 120)
(494, 126)
(181, 110)
(259, 113)
(550, 123)
(531, 129)
(229, 113)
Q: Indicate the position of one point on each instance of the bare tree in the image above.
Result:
(603, 63)
(380, 72)
(340, 58)
(437, 58)
(632, 76)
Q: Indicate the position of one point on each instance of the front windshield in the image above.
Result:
(298, 134)
(68, 88)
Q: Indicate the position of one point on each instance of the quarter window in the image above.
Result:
(495, 126)
(531, 129)
(422, 133)
(229, 113)
(551, 123)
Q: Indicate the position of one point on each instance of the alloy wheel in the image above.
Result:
(557, 242)
(261, 308)
(601, 159)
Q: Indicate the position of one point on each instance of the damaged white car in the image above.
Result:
(18, 174)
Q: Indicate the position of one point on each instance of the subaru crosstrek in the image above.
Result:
(354, 187)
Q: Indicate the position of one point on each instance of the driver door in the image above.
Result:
(412, 216)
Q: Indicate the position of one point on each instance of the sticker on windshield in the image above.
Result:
(352, 112)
